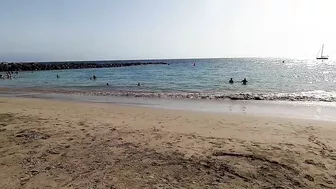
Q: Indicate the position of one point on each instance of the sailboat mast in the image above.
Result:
(322, 51)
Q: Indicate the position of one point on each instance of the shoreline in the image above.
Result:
(48, 143)
(286, 109)
(310, 96)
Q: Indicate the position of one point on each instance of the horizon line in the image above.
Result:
(151, 59)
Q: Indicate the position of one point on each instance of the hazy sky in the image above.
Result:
(38, 30)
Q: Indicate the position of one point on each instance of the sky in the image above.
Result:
(55, 30)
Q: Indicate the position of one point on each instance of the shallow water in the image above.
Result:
(268, 79)
(301, 110)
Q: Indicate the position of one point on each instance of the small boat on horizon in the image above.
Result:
(321, 57)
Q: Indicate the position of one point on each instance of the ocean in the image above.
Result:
(280, 79)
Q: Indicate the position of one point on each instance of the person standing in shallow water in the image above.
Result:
(244, 81)
(231, 81)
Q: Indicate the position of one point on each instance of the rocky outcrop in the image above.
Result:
(4, 67)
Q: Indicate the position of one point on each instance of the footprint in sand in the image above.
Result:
(312, 162)
(310, 178)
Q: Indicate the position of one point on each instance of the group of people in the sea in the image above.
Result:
(9, 75)
(244, 81)
(94, 77)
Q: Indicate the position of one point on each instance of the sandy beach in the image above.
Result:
(60, 144)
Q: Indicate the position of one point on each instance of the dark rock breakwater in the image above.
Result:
(5, 67)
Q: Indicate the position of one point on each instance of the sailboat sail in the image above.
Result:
(321, 57)
(318, 53)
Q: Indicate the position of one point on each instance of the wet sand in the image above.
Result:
(58, 144)
(303, 110)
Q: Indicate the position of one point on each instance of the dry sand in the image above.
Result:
(58, 144)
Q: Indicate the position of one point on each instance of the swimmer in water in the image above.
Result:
(244, 81)
(231, 81)
(58, 76)
(139, 84)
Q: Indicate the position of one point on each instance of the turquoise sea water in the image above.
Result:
(268, 78)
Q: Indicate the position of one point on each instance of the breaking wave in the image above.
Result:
(302, 96)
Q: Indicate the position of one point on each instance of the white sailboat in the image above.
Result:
(321, 57)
